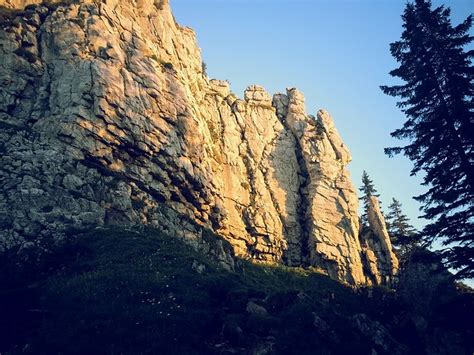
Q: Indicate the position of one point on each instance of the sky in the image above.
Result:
(336, 52)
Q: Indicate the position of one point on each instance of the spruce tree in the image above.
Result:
(402, 233)
(368, 190)
(437, 97)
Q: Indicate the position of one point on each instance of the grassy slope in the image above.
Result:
(123, 292)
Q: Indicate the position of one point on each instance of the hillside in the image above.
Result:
(117, 291)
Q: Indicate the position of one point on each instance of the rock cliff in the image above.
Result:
(106, 117)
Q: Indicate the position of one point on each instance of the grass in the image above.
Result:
(116, 291)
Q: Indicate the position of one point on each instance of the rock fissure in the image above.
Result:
(303, 199)
(247, 159)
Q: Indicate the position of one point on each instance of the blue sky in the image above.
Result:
(335, 51)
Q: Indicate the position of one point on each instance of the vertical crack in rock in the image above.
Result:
(332, 226)
(250, 213)
(280, 103)
(289, 256)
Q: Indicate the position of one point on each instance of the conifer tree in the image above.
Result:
(368, 190)
(402, 233)
(437, 97)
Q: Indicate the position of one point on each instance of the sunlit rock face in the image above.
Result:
(107, 118)
(378, 255)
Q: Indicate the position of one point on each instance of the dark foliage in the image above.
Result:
(143, 292)
(402, 233)
(437, 98)
(368, 190)
(114, 291)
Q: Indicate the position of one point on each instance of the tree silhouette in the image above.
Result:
(437, 97)
(368, 190)
(402, 233)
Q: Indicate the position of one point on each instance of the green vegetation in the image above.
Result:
(368, 190)
(114, 291)
(402, 233)
(437, 95)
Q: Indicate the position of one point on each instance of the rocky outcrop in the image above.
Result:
(379, 258)
(329, 202)
(107, 118)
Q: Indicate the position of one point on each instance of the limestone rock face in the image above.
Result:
(329, 202)
(107, 118)
(18, 4)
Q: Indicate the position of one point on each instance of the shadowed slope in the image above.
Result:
(141, 291)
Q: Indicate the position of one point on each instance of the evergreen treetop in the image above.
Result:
(368, 190)
(437, 97)
(402, 233)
